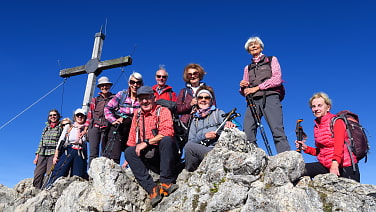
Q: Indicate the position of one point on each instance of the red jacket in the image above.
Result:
(167, 93)
(329, 147)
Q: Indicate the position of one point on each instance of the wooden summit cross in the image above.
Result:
(94, 67)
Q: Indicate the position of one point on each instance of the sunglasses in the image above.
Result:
(204, 97)
(64, 124)
(193, 74)
(80, 115)
(161, 76)
(51, 115)
(135, 82)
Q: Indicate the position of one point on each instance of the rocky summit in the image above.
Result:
(234, 176)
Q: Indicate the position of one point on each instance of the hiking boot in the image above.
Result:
(155, 196)
(167, 189)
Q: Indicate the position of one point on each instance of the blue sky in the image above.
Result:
(321, 46)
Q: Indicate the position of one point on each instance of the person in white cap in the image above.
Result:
(202, 132)
(96, 123)
(71, 151)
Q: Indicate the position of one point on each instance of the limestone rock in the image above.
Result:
(235, 176)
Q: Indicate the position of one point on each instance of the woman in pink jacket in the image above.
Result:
(331, 150)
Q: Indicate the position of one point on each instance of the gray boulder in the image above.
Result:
(234, 176)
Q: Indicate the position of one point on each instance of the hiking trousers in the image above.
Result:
(313, 169)
(96, 136)
(70, 160)
(194, 154)
(43, 166)
(163, 163)
(272, 111)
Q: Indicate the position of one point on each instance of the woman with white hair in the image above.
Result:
(262, 79)
(119, 112)
(202, 136)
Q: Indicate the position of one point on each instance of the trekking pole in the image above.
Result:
(48, 177)
(229, 117)
(253, 108)
(110, 145)
(300, 135)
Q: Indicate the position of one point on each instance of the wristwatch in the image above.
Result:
(147, 141)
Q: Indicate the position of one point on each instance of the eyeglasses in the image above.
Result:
(52, 115)
(141, 98)
(193, 74)
(204, 97)
(135, 82)
(161, 76)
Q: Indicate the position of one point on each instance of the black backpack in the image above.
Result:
(358, 141)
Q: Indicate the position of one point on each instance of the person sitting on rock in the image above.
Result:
(331, 149)
(152, 146)
(202, 136)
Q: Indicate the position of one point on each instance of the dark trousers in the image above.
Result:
(313, 169)
(194, 154)
(96, 136)
(71, 160)
(43, 166)
(117, 139)
(272, 111)
(163, 163)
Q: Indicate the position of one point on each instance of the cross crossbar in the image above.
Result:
(103, 65)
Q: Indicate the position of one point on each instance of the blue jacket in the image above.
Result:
(200, 126)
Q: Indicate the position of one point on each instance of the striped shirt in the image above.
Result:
(49, 140)
(126, 107)
(150, 119)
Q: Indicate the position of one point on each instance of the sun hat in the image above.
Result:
(103, 80)
(80, 110)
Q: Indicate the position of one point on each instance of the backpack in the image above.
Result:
(180, 129)
(358, 142)
(281, 88)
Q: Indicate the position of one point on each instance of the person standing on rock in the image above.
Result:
(119, 112)
(202, 136)
(331, 150)
(262, 79)
(71, 151)
(96, 123)
(46, 148)
(161, 89)
(152, 146)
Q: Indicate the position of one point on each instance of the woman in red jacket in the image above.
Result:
(331, 150)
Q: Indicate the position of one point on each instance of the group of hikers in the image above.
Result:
(134, 122)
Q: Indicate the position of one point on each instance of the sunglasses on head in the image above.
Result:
(193, 74)
(204, 97)
(52, 115)
(132, 82)
(161, 76)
